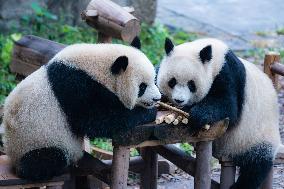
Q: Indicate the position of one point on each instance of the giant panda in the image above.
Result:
(210, 82)
(86, 90)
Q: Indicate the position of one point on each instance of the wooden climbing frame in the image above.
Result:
(113, 21)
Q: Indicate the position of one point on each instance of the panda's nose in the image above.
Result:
(156, 99)
(179, 101)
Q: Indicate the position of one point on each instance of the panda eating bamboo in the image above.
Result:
(85, 90)
(209, 82)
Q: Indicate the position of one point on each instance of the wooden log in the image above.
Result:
(269, 60)
(31, 52)
(228, 172)
(111, 20)
(168, 134)
(89, 165)
(202, 176)
(120, 165)
(149, 174)
(277, 68)
(177, 157)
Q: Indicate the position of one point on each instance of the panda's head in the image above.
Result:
(124, 70)
(188, 70)
(135, 78)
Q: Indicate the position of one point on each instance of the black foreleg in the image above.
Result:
(255, 165)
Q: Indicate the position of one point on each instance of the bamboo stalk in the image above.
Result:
(174, 109)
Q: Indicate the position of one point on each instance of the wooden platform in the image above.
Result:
(9, 180)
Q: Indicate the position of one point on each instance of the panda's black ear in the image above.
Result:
(169, 46)
(120, 64)
(136, 43)
(206, 54)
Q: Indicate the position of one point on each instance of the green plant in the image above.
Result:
(187, 148)
(103, 143)
(280, 31)
(7, 80)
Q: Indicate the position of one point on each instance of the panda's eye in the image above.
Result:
(172, 82)
(142, 89)
(191, 86)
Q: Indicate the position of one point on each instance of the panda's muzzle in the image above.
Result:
(150, 104)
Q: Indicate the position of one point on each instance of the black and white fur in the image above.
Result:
(207, 79)
(86, 90)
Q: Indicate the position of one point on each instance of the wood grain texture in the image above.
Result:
(228, 172)
(269, 60)
(112, 20)
(120, 165)
(8, 178)
(202, 176)
(149, 174)
(31, 52)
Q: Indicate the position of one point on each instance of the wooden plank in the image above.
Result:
(202, 176)
(120, 165)
(101, 154)
(168, 134)
(149, 174)
(112, 20)
(35, 185)
(8, 178)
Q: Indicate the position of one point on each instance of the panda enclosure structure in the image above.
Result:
(111, 20)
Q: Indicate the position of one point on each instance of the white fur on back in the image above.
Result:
(32, 119)
(96, 60)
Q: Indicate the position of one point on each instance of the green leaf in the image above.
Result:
(37, 8)
(16, 36)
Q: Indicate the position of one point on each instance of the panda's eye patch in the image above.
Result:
(191, 86)
(142, 89)
(172, 82)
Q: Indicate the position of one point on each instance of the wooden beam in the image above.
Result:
(31, 52)
(177, 157)
(112, 20)
(277, 68)
(202, 176)
(89, 165)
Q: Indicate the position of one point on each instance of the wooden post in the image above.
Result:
(202, 178)
(112, 19)
(228, 172)
(120, 165)
(149, 174)
(269, 60)
(267, 184)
